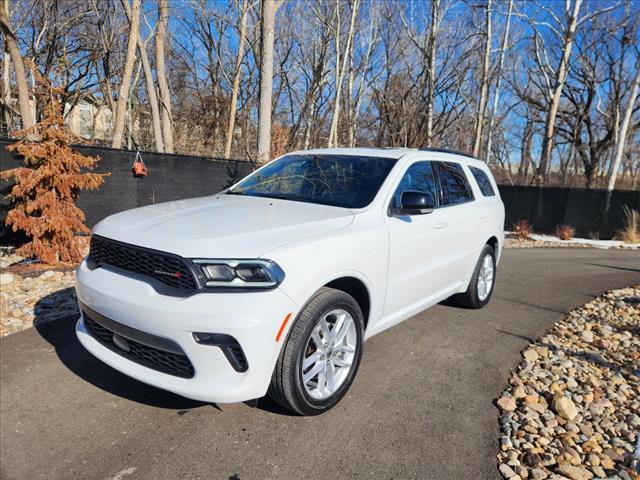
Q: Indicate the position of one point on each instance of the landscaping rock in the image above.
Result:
(571, 410)
(507, 403)
(538, 474)
(565, 408)
(574, 473)
(507, 471)
(25, 300)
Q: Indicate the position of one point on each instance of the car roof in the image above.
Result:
(388, 152)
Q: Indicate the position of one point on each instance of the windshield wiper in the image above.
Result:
(275, 195)
(255, 194)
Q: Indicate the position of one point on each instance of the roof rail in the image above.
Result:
(445, 150)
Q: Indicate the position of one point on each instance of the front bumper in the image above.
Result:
(252, 318)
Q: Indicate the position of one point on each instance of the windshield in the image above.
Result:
(339, 180)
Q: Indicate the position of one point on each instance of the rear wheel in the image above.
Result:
(321, 356)
(480, 288)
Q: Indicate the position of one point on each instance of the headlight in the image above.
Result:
(240, 273)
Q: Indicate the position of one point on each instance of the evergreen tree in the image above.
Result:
(47, 185)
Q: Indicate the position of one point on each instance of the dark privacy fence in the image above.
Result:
(174, 177)
(170, 177)
(545, 208)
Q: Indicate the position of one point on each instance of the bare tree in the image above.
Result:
(484, 84)
(165, 97)
(496, 93)
(567, 32)
(341, 66)
(123, 95)
(431, 60)
(622, 134)
(150, 85)
(233, 104)
(267, 27)
(18, 66)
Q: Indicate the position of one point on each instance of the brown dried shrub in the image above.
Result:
(630, 233)
(565, 232)
(523, 229)
(47, 185)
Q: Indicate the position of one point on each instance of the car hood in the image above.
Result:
(222, 226)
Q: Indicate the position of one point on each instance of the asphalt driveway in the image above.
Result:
(421, 406)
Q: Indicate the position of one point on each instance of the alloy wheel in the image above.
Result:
(329, 354)
(485, 277)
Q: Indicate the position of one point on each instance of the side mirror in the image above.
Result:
(416, 203)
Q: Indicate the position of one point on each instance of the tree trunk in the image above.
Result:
(132, 117)
(431, 61)
(150, 85)
(496, 93)
(18, 66)
(353, 128)
(484, 88)
(123, 95)
(6, 90)
(619, 149)
(561, 76)
(333, 132)
(233, 105)
(267, 34)
(525, 151)
(165, 97)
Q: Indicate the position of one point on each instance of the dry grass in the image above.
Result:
(565, 232)
(523, 229)
(631, 231)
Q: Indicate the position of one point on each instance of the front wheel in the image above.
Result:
(321, 356)
(480, 288)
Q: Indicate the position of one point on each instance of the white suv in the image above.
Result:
(273, 285)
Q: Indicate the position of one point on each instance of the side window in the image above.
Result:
(454, 184)
(419, 177)
(483, 182)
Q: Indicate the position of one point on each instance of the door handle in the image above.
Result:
(440, 225)
(484, 214)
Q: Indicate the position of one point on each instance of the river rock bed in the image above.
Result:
(572, 407)
(34, 297)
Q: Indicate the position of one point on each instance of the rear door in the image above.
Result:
(458, 208)
(488, 212)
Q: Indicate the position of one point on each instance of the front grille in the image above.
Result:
(154, 358)
(169, 269)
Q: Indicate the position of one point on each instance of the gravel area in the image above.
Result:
(33, 296)
(532, 243)
(549, 241)
(572, 408)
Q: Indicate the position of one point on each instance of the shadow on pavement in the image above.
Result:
(615, 267)
(511, 334)
(62, 337)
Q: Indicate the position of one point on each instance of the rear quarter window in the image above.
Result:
(482, 179)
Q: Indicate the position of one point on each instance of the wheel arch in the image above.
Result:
(493, 243)
(357, 289)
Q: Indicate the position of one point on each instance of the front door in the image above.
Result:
(417, 256)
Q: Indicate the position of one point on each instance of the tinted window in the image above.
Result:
(419, 177)
(340, 180)
(483, 182)
(454, 184)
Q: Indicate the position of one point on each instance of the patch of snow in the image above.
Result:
(584, 241)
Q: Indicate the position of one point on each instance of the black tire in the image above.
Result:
(470, 298)
(287, 388)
